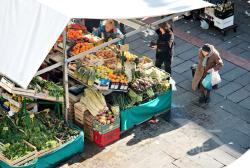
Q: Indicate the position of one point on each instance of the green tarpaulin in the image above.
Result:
(49, 160)
(144, 112)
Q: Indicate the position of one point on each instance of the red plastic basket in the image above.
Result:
(103, 140)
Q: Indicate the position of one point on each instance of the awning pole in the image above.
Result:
(65, 76)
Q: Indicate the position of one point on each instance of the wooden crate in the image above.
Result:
(88, 132)
(79, 110)
(29, 157)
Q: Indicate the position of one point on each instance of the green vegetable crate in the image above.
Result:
(24, 159)
(104, 128)
(49, 150)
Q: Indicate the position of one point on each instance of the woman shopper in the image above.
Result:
(164, 46)
(208, 60)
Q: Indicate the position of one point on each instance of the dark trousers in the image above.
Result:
(163, 57)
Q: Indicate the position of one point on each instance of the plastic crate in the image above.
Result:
(103, 140)
(104, 128)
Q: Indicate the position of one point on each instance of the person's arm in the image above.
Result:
(97, 32)
(157, 31)
(171, 40)
(218, 64)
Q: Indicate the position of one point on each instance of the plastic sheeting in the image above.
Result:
(29, 28)
(138, 114)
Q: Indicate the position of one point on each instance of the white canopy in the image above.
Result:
(29, 28)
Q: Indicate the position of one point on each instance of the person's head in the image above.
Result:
(164, 27)
(109, 25)
(205, 50)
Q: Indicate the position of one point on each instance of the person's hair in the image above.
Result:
(166, 26)
(110, 22)
(206, 48)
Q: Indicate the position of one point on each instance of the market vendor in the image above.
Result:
(164, 46)
(108, 31)
(208, 60)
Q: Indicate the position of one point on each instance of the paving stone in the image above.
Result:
(184, 99)
(239, 95)
(179, 91)
(234, 138)
(245, 37)
(136, 44)
(176, 61)
(247, 87)
(184, 162)
(132, 38)
(150, 53)
(187, 85)
(233, 74)
(221, 156)
(188, 75)
(223, 82)
(177, 77)
(183, 67)
(182, 48)
(236, 50)
(246, 103)
(246, 55)
(216, 98)
(228, 89)
(206, 161)
(230, 43)
(235, 109)
(143, 49)
(227, 67)
(187, 55)
(244, 45)
(244, 79)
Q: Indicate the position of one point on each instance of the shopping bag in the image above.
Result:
(216, 79)
(206, 82)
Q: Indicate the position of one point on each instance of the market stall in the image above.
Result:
(115, 85)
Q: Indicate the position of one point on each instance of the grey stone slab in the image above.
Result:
(184, 162)
(132, 38)
(216, 98)
(223, 82)
(187, 55)
(228, 89)
(247, 87)
(221, 156)
(187, 85)
(235, 139)
(244, 79)
(206, 161)
(244, 36)
(227, 66)
(246, 103)
(136, 44)
(230, 43)
(177, 77)
(151, 53)
(246, 55)
(239, 95)
(183, 67)
(182, 48)
(236, 50)
(233, 74)
(176, 61)
(184, 99)
(188, 75)
(235, 110)
(244, 45)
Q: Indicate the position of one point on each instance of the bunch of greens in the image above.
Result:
(40, 84)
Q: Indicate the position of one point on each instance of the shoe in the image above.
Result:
(207, 99)
(202, 99)
(153, 121)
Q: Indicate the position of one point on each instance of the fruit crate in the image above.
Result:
(103, 140)
(104, 128)
(25, 159)
(89, 132)
(88, 125)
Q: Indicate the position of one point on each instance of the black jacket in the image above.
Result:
(165, 41)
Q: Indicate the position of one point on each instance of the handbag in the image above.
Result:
(206, 82)
(216, 79)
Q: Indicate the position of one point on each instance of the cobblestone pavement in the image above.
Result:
(196, 136)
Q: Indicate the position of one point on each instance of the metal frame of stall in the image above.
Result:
(140, 28)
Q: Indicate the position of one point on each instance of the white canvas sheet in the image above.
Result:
(29, 28)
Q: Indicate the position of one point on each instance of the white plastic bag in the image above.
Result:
(215, 78)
